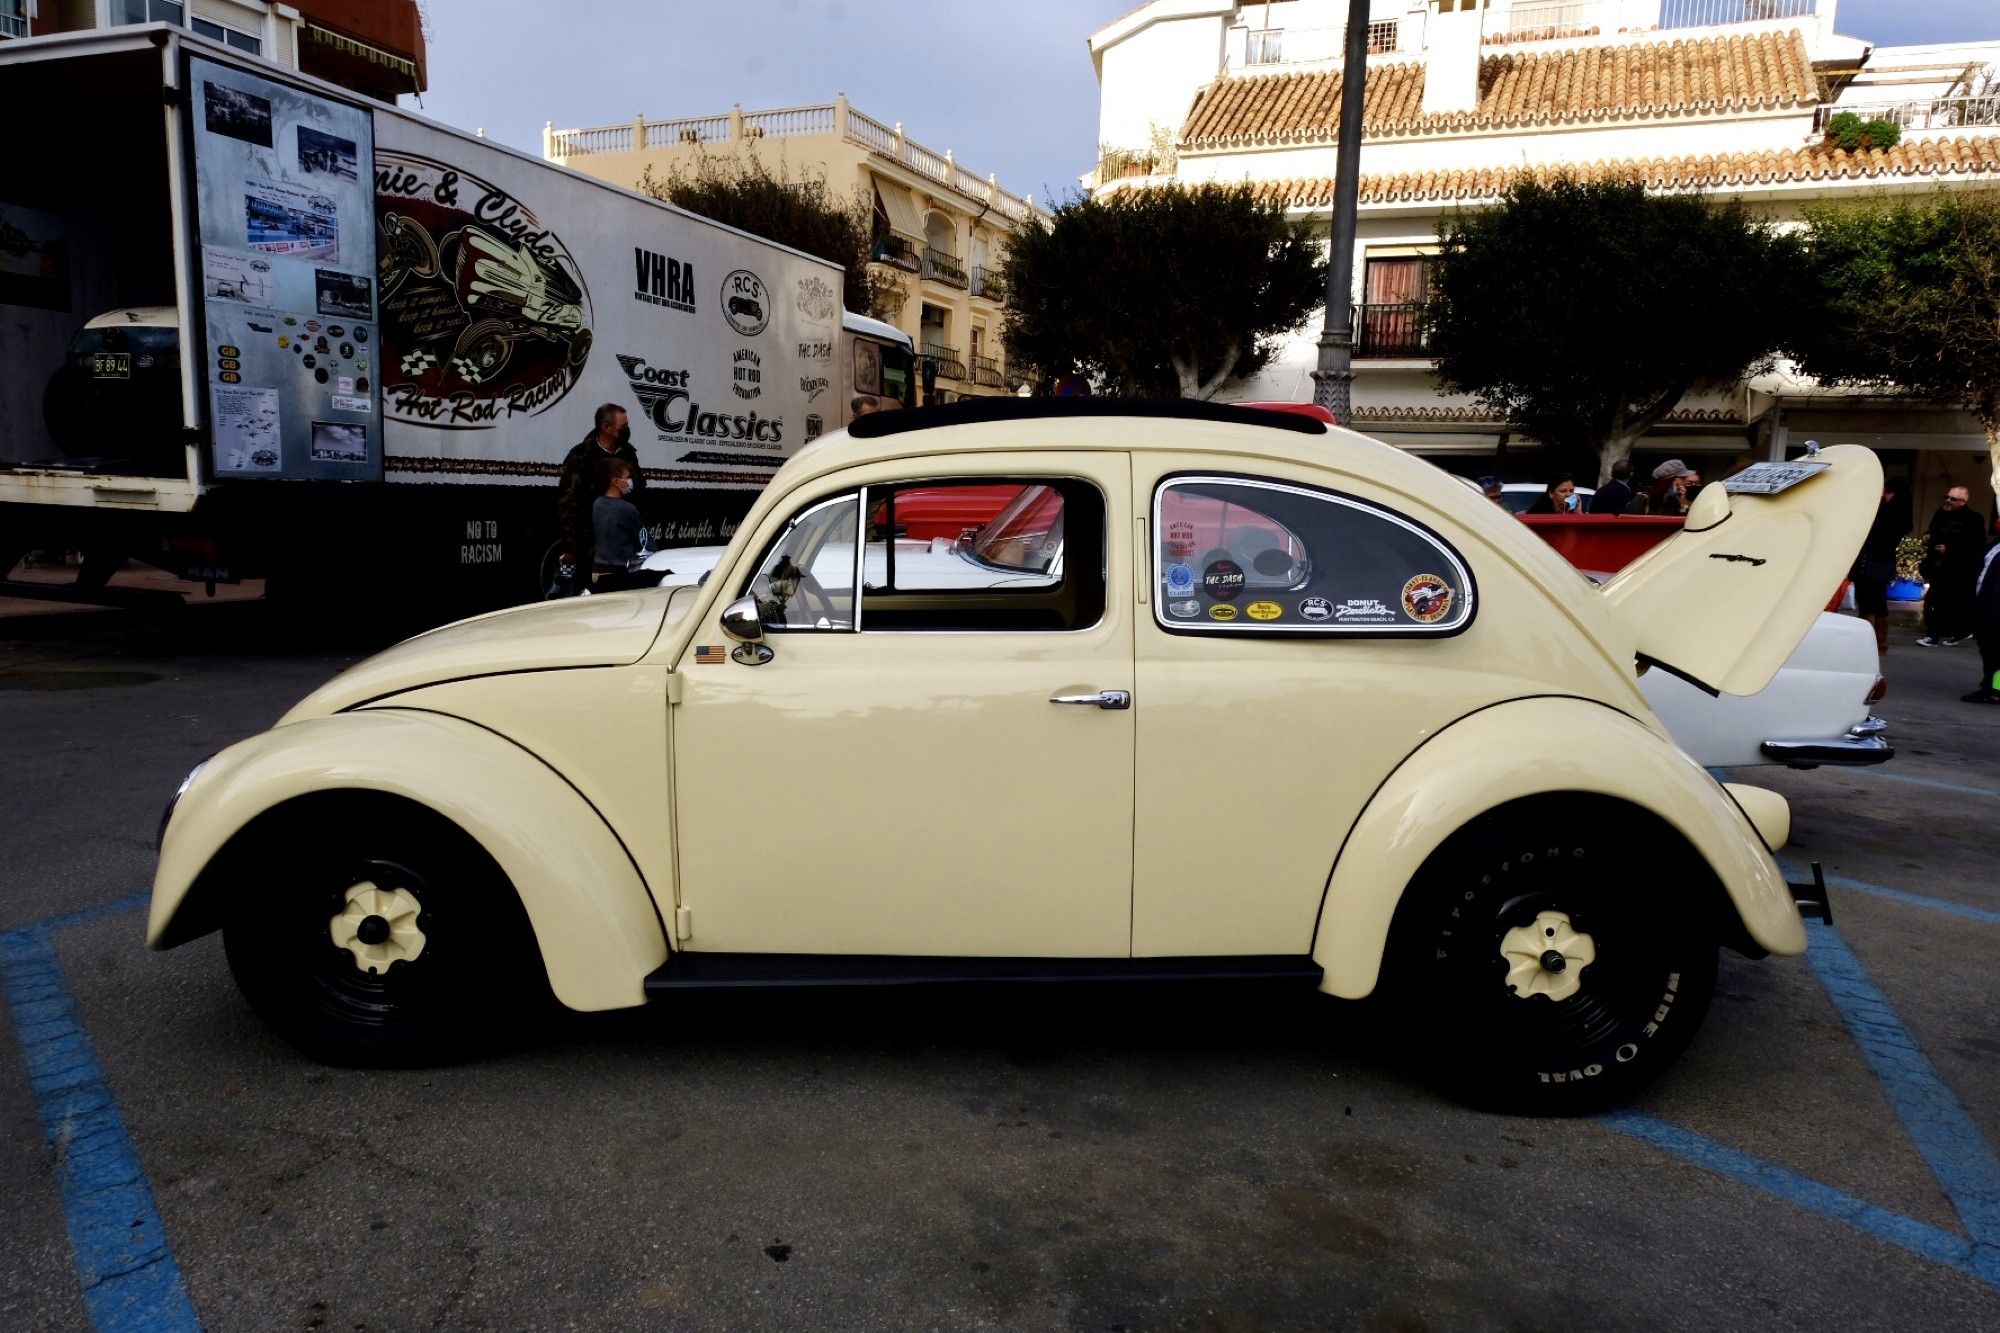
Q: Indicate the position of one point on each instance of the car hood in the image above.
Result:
(610, 630)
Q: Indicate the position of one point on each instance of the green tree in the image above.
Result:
(1158, 291)
(804, 213)
(1909, 301)
(1584, 312)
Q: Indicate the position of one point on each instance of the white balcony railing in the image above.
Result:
(1934, 113)
(1569, 18)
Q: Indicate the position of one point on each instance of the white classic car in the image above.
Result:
(1816, 710)
(1216, 695)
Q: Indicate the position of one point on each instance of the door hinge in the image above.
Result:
(682, 927)
(675, 684)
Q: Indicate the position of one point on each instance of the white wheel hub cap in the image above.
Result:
(378, 926)
(1547, 957)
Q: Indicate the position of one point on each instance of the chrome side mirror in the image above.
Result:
(740, 621)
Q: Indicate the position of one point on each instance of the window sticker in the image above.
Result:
(1244, 555)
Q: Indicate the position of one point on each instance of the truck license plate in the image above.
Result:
(111, 365)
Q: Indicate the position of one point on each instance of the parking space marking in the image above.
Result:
(1971, 1257)
(130, 1279)
(1933, 783)
(1951, 1145)
(1914, 899)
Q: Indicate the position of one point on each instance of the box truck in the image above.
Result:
(253, 324)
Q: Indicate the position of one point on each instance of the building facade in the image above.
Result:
(373, 47)
(1731, 97)
(940, 229)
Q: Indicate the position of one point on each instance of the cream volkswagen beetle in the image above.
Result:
(1232, 695)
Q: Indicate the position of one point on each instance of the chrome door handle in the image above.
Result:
(1102, 699)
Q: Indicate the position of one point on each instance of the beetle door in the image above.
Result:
(933, 761)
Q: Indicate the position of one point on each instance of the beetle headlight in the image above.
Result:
(167, 815)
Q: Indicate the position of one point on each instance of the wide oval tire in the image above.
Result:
(1564, 1035)
(475, 981)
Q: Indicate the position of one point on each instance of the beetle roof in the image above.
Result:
(877, 424)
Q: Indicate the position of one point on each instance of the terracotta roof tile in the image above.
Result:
(1704, 75)
(1934, 157)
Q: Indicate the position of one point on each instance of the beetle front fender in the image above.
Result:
(1535, 747)
(594, 920)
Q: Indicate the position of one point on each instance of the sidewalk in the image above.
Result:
(135, 576)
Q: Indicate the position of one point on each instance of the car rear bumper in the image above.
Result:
(1863, 744)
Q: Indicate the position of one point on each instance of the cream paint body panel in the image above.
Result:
(597, 927)
(914, 793)
(1478, 764)
(1256, 753)
(543, 636)
(602, 729)
(1726, 600)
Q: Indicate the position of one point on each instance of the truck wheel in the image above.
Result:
(392, 941)
(1550, 971)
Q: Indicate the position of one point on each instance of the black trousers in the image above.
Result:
(1948, 605)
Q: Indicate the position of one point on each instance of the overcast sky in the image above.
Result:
(1005, 84)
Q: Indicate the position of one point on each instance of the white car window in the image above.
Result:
(1237, 555)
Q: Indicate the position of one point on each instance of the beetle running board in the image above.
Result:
(696, 971)
(1811, 898)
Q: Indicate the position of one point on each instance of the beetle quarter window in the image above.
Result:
(1234, 555)
(983, 554)
(806, 581)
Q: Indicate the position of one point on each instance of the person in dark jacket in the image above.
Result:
(1986, 628)
(1615, 494)
(1555, 498)
(610, 437)
(1875, 568)
(619, 537)
(1956, 544)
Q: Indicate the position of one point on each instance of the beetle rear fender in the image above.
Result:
(594, 920)
(1529, 748)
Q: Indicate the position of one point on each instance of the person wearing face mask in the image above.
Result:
(610, 437)
(1555, 498)
(620, 541)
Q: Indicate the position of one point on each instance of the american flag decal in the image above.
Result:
(709, 654)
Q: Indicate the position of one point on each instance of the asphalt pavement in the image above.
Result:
(1136, 1159)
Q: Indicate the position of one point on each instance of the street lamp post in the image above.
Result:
(1333, 380)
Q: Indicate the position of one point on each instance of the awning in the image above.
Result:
(363, 51)
(900, 207)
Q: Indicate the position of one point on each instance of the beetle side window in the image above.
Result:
(983, 554)
(806, 580)
(1239, 555)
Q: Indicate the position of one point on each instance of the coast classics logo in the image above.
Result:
(662, 280)
(669, 403)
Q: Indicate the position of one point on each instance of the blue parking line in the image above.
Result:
(1914, 899)
(1932, 783)
(1948, 1141)
(130, 1279)
(1973, 1257)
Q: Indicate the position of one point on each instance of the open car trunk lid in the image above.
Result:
(1727, 599)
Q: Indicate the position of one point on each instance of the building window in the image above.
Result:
(1381, 36)
(242, 41)
(1266, 47)
(154, 11)
(13, 18)
(1392, 306)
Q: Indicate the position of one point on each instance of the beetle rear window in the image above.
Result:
(1242, 555)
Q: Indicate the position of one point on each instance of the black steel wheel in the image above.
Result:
(1551, 966)
(393, 940)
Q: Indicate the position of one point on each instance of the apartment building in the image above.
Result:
(374, 47)
(1726, 96)
(941, 229)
